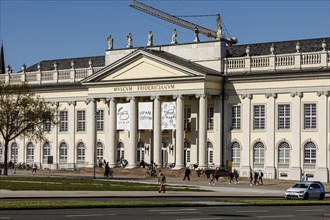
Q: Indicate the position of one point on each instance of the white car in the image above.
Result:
(306, 190)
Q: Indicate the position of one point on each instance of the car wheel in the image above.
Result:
(321, 196)
(306, 196)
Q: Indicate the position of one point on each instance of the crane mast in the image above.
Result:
(183, 23)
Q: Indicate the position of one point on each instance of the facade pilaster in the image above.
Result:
(322, 153)
(71, 159)
(54, 144)
(179, 137)
(246, 130)
(111, 135)
(157, 137)
(296, 152)
(132, 133)
(270, 141)
(202, 131)
(217, 146)
(90, 151)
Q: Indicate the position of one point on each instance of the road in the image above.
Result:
(175, 213)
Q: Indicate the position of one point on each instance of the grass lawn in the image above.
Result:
(79, 184)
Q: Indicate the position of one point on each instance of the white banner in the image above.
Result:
(145, 115)
(122, 116)
(168, 115)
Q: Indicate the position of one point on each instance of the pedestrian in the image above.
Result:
(107, 170)
(255, 178)
(142, 164)
(10, 164)
(251, 177)
(34, 168)
(236, 175)
(302, 178)
(306, 177)
(159, 175)
(231, 177)
(214, 176)
(187, 173)
(162, 183)
(260, 176)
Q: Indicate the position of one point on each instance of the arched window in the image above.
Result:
(99, 151)
(140, 151)
(209, 153)
(235, 152)
(14, 152)
(120, 151)
(29, 151)
(46, 150)
(63, 152)
(283, 153)
(258, 153)
(80, 151)
(186, 152)
(310, 153)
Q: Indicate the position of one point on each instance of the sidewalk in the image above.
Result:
(271, 187)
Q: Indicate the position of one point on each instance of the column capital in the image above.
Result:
(326, 93)
(203, 95)
(155, 97)
(273, 95)
(178, 97)
(299, 94)
(131, 98)
(89, 100)
(72, 103)
(56, 104)
(249, 96)
(224, 96)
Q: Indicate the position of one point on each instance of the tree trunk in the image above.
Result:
(5, 168)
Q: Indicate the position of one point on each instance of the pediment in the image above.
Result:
(144, 65)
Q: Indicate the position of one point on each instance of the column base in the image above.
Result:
(178, 167)
(131, 166)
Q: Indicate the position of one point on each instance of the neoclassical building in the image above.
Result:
(259, 106)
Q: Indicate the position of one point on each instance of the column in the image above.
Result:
(106, 151)
(54, 144)
(71, 129)
(296, 152)
(157, 135)
(132, 133)
(322, 154)
(90, 151)
(202, 130)
(270, 141)
(112, 133)
(246, 130)
(179, 138)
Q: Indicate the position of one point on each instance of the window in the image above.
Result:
(283, 153)
(310, 153)
(259, 117)
(209, 153)
(236, 117)
(47, 126)
(63, 152)
(235, 152)
(29, 151)
(46, 151)
(283, 117)
(210, 118)
(187, 119)
(14, 152)
(100, 120)
(186, 148)
(63, 121)
(140, 151)
(258, 153)
(81, 121)
(80, 151)
(309, 116)
(99, 151)
(120, 151)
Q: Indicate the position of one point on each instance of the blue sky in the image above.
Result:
(38, 30)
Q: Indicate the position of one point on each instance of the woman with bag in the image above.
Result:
(162, 181)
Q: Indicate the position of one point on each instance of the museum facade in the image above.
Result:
(259, 106)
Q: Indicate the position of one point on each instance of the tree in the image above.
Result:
(23, 113)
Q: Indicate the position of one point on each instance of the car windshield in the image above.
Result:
(301, 186)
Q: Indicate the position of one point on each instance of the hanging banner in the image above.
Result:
(168, 115)
(145, 115)
(122, 116)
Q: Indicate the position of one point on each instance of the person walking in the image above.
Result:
(260, 176)
(256, 178)
(231, 177)
(34, 168)
(251, 177)
(162, 183)
(236, 175)
(187, 173)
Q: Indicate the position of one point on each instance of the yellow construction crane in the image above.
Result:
(183, 23)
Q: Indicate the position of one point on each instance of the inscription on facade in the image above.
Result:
(144, 88)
